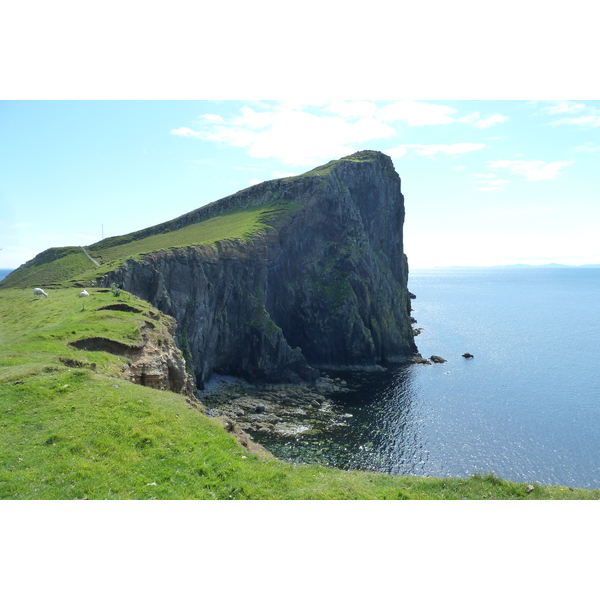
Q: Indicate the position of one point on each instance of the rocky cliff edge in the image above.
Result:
(324, 284)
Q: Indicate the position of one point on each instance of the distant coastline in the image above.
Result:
(513, 266)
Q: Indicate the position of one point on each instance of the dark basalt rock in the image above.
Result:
(468, 355)
(419, 360)
(325, 286)
(437, 359)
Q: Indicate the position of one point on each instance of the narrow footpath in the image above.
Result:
(88, 255)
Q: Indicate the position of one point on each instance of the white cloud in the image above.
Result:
(397, 152)
(589, 120)
(184, 132)
(589, 115)
(417, 113)
(255, 181)
(490, 181)
(485, 123)
(290, 135)
(532, 170)
(476, 120)
(305, 134)
(212, 118)
(587, 147)
(432, 149)
(561, 106)
(352, 109)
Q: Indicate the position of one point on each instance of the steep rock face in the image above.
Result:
(159, 363)
(216, 294)
(155, 361)
(325, 285)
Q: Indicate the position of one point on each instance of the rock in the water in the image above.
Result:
(468, 355)
(437, 359)
(419, 360)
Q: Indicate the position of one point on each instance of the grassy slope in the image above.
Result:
(82, 433)
(235, 225)
(50, 267)
(67, 266)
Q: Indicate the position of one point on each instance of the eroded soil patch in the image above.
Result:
(120, 306)
(105, 345)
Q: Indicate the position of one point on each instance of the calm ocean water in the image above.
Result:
(526, 407)
(4, 273)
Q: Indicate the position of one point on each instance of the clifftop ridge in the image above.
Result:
(274, 281)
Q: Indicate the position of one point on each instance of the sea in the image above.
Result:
(4, 273)
(526, 407)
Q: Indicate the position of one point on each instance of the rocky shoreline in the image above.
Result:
(284, 410)
(281, 410)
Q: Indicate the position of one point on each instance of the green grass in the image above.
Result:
(242, 224)
(40, 329)
(50, 267)
(83, 432)
(362, 156)
(60, 267)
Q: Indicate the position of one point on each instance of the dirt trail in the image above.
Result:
(88, 255)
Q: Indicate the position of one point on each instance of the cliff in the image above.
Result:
(320, 281)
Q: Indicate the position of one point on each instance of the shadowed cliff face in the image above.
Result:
(325, 285)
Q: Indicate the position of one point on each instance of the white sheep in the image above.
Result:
(39, 292)
(84, 294)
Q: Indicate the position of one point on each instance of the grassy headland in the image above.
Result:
(68, 266)
(81, 431)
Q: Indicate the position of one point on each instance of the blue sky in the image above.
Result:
(485, 182)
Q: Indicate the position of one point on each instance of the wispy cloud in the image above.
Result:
(288, 131)
(585, 121)
(289, 134)
(587, 116)
(489, 182)
(587, 147)
(415, 113)
(433, 149)
(557, 107)
(476, 120)
(532, 170)
(185, 132)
